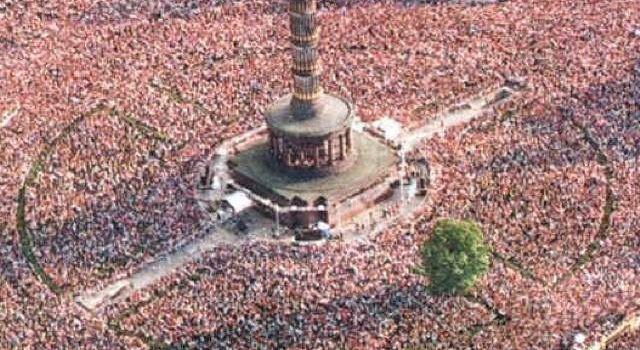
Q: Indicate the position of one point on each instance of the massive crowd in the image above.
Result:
(539, 174)
(539, 193)
(108, 198)
(32, 317)
(270, 296)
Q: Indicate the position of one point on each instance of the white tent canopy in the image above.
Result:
(323, 226)
(390, 128)
(238, 201)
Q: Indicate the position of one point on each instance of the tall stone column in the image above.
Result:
(306, 61)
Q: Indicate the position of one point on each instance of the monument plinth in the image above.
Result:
(310, 166)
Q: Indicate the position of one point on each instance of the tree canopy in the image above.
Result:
(454, 257)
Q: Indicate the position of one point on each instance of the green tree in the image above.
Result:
(454, 256)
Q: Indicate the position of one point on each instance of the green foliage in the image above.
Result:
(454, 257)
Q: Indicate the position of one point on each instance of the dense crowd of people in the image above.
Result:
(109, 197)
(271, 296)
(549, 175)
(33, 317)
(539, 193)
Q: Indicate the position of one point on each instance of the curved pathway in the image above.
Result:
(26, 244)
